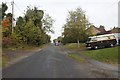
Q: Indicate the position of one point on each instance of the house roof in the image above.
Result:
(99, 30)
(115, 30)
(102, 30)
(93, 30)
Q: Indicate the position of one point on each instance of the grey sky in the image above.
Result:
(99, 12)
(119, 14)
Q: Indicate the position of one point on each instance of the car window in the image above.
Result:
(93, 40)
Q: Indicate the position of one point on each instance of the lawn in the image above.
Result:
(107, 55)
(74, 46)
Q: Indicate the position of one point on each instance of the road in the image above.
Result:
(52, 62)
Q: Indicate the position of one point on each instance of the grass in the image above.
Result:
(107, 55)
(76, 57)
(5, 61)
(74, 46)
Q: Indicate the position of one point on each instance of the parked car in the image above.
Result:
(117, 36)
(101, 41)
(56, 44)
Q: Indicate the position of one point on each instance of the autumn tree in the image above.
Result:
(6, 21)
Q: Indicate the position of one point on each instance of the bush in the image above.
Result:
(16, 39)
(6, 41)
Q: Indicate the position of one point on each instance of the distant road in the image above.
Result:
(51, 62)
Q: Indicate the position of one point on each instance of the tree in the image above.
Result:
(35, 15)
(20, 23)
(6, 21)
(4, 9)
(6, 24)
(31, 28)
(60, 39)
(76, 24)
(48, 23)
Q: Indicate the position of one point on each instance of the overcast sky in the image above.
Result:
(99, 12)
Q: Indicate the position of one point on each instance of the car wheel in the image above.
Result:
(111, 45)
(96, 47)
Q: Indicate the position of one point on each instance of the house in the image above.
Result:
(114, 30)
(92, 30)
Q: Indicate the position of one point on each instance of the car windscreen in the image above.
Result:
(91, 40)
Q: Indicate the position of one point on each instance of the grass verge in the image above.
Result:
(76, 57)
(74, 46)
(107, 55)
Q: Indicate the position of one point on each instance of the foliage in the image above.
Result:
(6, 21)
(47, 23)
(4, 9)
(75, 27)
(16, 39)
(30, 29)
(6, 41)
(60, 39)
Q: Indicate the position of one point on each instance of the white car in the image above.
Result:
(56, 44)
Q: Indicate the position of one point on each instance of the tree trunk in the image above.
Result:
(78, 43)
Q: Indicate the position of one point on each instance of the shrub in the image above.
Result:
(6, 41)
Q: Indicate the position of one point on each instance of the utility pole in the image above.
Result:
(12, 3)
